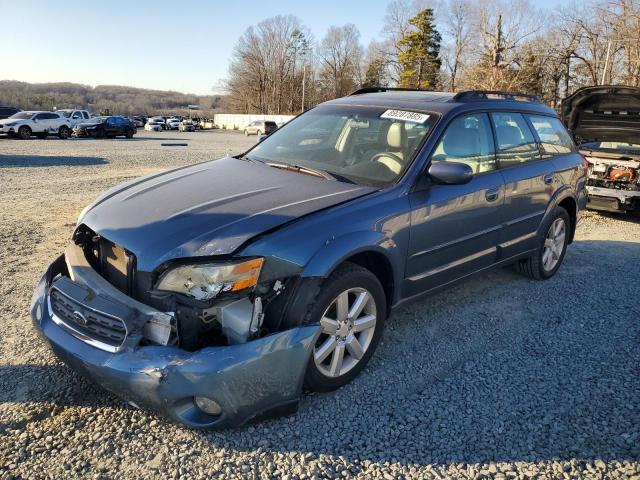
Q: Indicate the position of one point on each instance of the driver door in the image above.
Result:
(455, 228)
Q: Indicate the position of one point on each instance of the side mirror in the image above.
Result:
(450, 173)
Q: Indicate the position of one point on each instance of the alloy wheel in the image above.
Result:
(348, 326)
(554, 244)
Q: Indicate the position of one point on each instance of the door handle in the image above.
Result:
(548, 178)
(492, 194)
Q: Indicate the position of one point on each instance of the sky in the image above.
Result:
(157, 44)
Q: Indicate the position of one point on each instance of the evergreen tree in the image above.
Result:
(375, 74)
(419, 56)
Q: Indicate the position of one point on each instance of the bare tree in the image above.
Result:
(460, 29)
(340, 56)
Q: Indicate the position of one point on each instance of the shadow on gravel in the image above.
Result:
(497, 369)
(633, 217)
(13, 161)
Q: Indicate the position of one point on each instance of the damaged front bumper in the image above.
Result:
(612, 199)
(252, 380)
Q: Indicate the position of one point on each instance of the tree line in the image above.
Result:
(116, 99)
(278, 66)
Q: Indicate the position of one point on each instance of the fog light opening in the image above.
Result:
(207, 405)
(39, 311)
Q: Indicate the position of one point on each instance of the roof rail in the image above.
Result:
(487, 94)
(360, 91)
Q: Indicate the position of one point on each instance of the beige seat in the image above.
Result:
(397, 145)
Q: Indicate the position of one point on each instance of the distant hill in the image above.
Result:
(119, 100)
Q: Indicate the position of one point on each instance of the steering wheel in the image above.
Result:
(395, 159)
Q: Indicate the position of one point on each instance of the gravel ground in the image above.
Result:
(499, 377)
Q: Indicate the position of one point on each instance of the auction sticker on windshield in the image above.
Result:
(405, 116)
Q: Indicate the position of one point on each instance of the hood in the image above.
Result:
(208, 209)
(603, 113)
(87, 125)
(11, 120)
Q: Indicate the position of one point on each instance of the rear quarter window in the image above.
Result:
(554, 138)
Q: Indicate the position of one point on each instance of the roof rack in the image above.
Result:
(360, 91)
(488, 94)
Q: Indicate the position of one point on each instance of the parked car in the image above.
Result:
(187, 126)
(6, 112)
(605, 123)
(137, 121)
(158, 121)
(173, 123)
(260, 127)
(75, 117)
(155, 124)
(153, 127)
(24, 125)
(211, 293)
(109, 127)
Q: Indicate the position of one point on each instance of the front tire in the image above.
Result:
(64, 132)
(24, 133)
(351, 309)
(129, 134)
(546, 261)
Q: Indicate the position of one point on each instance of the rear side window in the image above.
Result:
(468, 139)
(554, 138)
(516, 143)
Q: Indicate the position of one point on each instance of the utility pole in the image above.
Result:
(606, 62)
(304, 77)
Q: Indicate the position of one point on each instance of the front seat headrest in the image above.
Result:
(396, 135)
(460, 141)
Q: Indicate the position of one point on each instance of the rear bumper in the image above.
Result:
(259, 378)
(610, 199)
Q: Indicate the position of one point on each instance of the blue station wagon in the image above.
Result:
(213, 293)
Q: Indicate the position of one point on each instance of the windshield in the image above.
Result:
(364, 145)
(22, 115)
(613, 147)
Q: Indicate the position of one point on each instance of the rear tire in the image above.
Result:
(552, 246)
(64, 132)
(351, 308)
(24, 133)
(129, 134)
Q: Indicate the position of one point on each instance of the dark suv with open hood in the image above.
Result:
(213, 292)
(605, 122)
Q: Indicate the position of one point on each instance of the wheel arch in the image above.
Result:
(566, 199)
(370, 250)
(571, 206)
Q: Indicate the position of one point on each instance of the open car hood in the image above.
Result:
(603, 113)
(208, 209)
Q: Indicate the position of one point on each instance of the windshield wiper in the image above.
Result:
(302, 169)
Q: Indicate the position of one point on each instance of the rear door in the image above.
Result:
(529, 178)
(455, 228)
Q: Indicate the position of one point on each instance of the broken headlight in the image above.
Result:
(206, 281)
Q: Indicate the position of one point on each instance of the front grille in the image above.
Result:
(102, 327)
